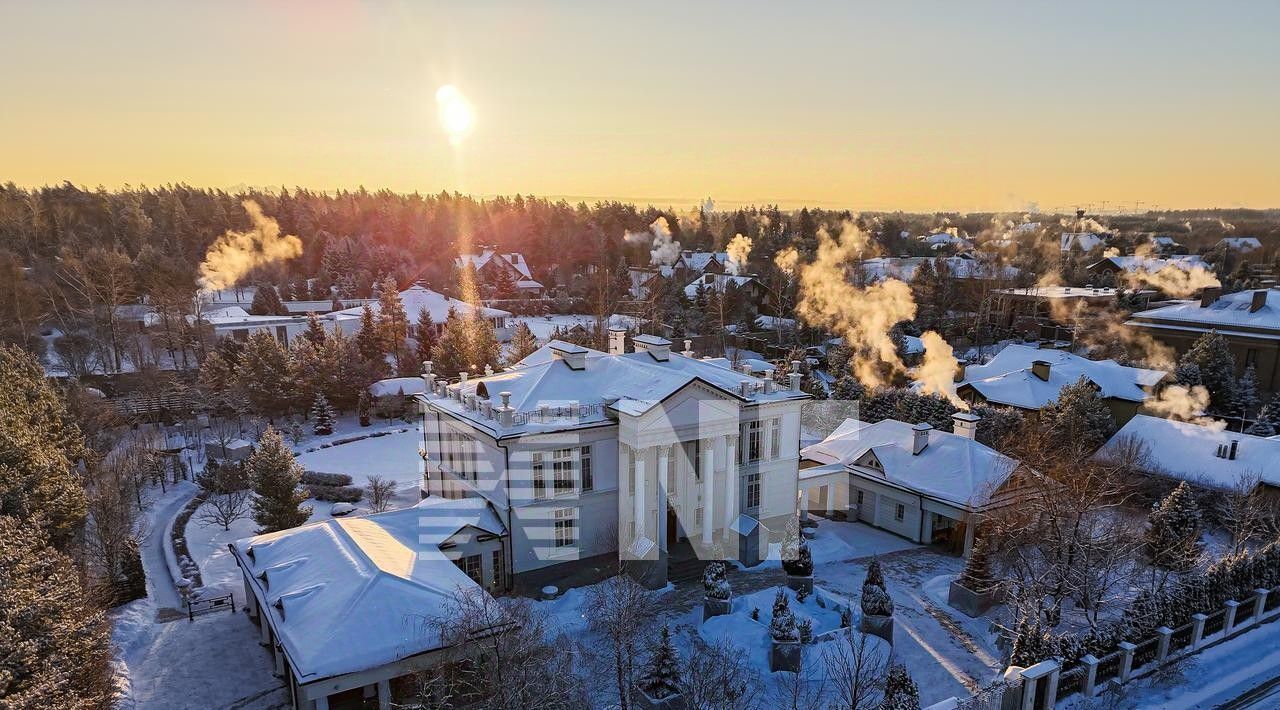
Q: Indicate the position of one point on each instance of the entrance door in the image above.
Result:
(673, 527)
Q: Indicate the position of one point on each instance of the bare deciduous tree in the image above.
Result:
(228, 497)
(622, 614)
(856, 667)
(1248, 512)
(499, 653)
(381, 491)
(718, 677)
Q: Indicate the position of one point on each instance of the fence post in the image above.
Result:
(1090, 663)
(1229, 618)
(1197, 630)
(1126, 660)
(1162, 646)
(1031, 677)
(1259, 604)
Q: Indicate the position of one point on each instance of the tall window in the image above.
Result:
(754, 441)
(539, 477)
(665, 452)
(631, 470)
(900, 512)
(753, 491)
(566, 527)
(584, 464)
(562, 471)
(499, 569)
(775, 438)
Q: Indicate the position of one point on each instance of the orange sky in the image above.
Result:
(931, 105)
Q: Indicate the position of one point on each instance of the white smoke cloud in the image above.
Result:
(1173, 280)
(936, 374)
(664, 250)
(739, 250)
(787, 260)
(235, 254)
(1185, 405)
(862, 315)
(1226, 226)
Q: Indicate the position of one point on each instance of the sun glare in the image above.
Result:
(456, 115)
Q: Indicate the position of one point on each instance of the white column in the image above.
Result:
(384, 695)
(708, 490)
(730, 482)
(639, 513)
(662, 452)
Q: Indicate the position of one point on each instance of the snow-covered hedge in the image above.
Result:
(334, 494)
(325, 479)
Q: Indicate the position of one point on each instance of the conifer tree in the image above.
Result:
(265, 374)
(1079, 416)
(322, 416)
(1172, 538)
(977, 574)
(266, 302)
(1246, 399)
(900, 691)
(364, 407)
(369, 337)
(315, 330)
(55, 645)
(1267, 422)
(1217, 368)
(393, 322)
(661, 678)
(38, 450)
(275, 476)
(522, 343)
(426, 334)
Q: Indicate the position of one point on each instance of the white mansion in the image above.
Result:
(589, 456)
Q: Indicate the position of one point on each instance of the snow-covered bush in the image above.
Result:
(801, 565)
(323, 415)
(326, 479)
(780, 602)
(900, 691)
(714, 582)
(876, 601)
(805, 630)
(874, 574)
(334, 494)
(783, 627)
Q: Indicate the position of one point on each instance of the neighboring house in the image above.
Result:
(912, 480)
(1027, 308)
(943, 240)
(1244, 245)
(1085, 241)
(235, 322)
(959, 267)
(1165, 244)
(344, 604)
(1248, 320)
(492, 266)
(747, 286)
(692, 263)
(1029, 378)
(1207, 457)
(414, 300)
(645, 282)
(588, 456)
(1112, 269)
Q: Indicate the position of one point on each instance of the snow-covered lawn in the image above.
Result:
(393, 456)
(836, 541)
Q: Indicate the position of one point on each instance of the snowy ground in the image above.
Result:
(396, 455)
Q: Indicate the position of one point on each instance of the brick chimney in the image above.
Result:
(1209, 295)
(965, 424)
(617, 341)
(1259, 300)
(575, 356)
(959, 375)
(920, 437)
(1040, 368)
(658, 348)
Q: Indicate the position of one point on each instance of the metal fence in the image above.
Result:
(1215, 621)
(1108, 668)
(1181, 638)
(1071, 681)
(1146, 652)
(205, 605)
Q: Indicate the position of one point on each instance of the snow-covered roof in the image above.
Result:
(1231, 310)
(515, 259)
(398, 386)
(715, 282)
(944, 239)
(416, 297)
(1188, 451)
(1153, 264)
(631, 383)
(1059, 292)
(904, 268)
(1008, 378)
(1163, 241)
(349, 594)
(698, 260)
(952, 468)
(1245, 244)
(757, 365)
(1085, 240)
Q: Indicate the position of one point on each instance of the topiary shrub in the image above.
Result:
(714, 582)
(325, 479)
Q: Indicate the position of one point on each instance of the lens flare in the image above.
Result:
(457, 118)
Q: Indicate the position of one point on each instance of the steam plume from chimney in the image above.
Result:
(739, 250)
(1175, 281)
(787, 260)
(863, 316)
(936, 374)
(235, 254)
(1185, 405)
(664, 250)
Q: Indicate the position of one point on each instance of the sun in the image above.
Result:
(457, 117)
